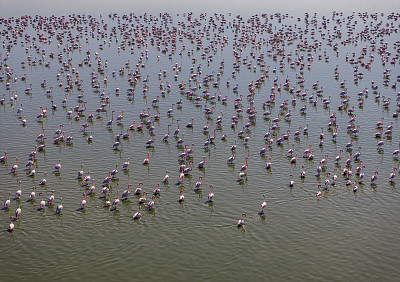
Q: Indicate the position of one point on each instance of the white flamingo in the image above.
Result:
(44, 180)
(57, 166)
(166, 177)
(125, 165)
(11, 226)
(181, 197)
(19, 191)
(83, 202)
(18, 210)
(3, 158)
(59, 207)
(211, 195)
(116, 201)
(15, 167)
(32, 194)
(147, 161)
(138, 214)
(241, 221)
(7, 202)
(139, 189)
(51, 198)
(263, 205)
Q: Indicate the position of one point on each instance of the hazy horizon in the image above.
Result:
(48, 7)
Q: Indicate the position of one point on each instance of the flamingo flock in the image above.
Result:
(204, 55)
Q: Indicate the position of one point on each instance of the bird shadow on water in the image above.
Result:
(209, 203)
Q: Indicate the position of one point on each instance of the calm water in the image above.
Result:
(339, 236)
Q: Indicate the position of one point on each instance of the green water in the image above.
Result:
(339, 236)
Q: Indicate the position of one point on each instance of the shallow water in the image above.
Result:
(340, 236)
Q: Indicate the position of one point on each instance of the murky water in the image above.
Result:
(341, 235)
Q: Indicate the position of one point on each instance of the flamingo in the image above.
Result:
(138, 214)
(32, 172)
(392, 175)
(293, 159)
(87, 178)
(11, 226)
(241, 221)
(107, 203)
(327, 181)
(245, 166)
(334, 177)
(307, 152)
(114, 172)
(231, 159)
(125, 165)
(116, 201)
(90, 137)
(43, 146)
(120, 117)
(138, 190)
(338, 158)
(291, 183)
(198, 184)
(69, 139)
(32, 194)
(263, 205)
(269, 164)
(127, 192)
(91, 188)
(59, 207)
(109, 123)
(7, 202)
(395, 153)
(319, 191)
(42, 202)
(380, 144)
(290, 151)
(51, 198)
(83, 202)
(57, 166)
(358, 154)
(147, 161)
(374, 177)
(18, 211)
(190, 124)
(3, 158)
(105, 190)
(165, 138)
(169, 112)
(80, 173)
(15, 167)
(233, 148)
(150, 142)
(157, 191)
(166, 177)
(355, 188)
(19, 191)
(142, 199)
(211, 195)
(180, 141)
(181, 197)
(324, 161)
(116, 145)
(303, 173)
(202, 163)
(361, 177)
(44, 180)
(150, 205)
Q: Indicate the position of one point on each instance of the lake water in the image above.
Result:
(341, 235)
